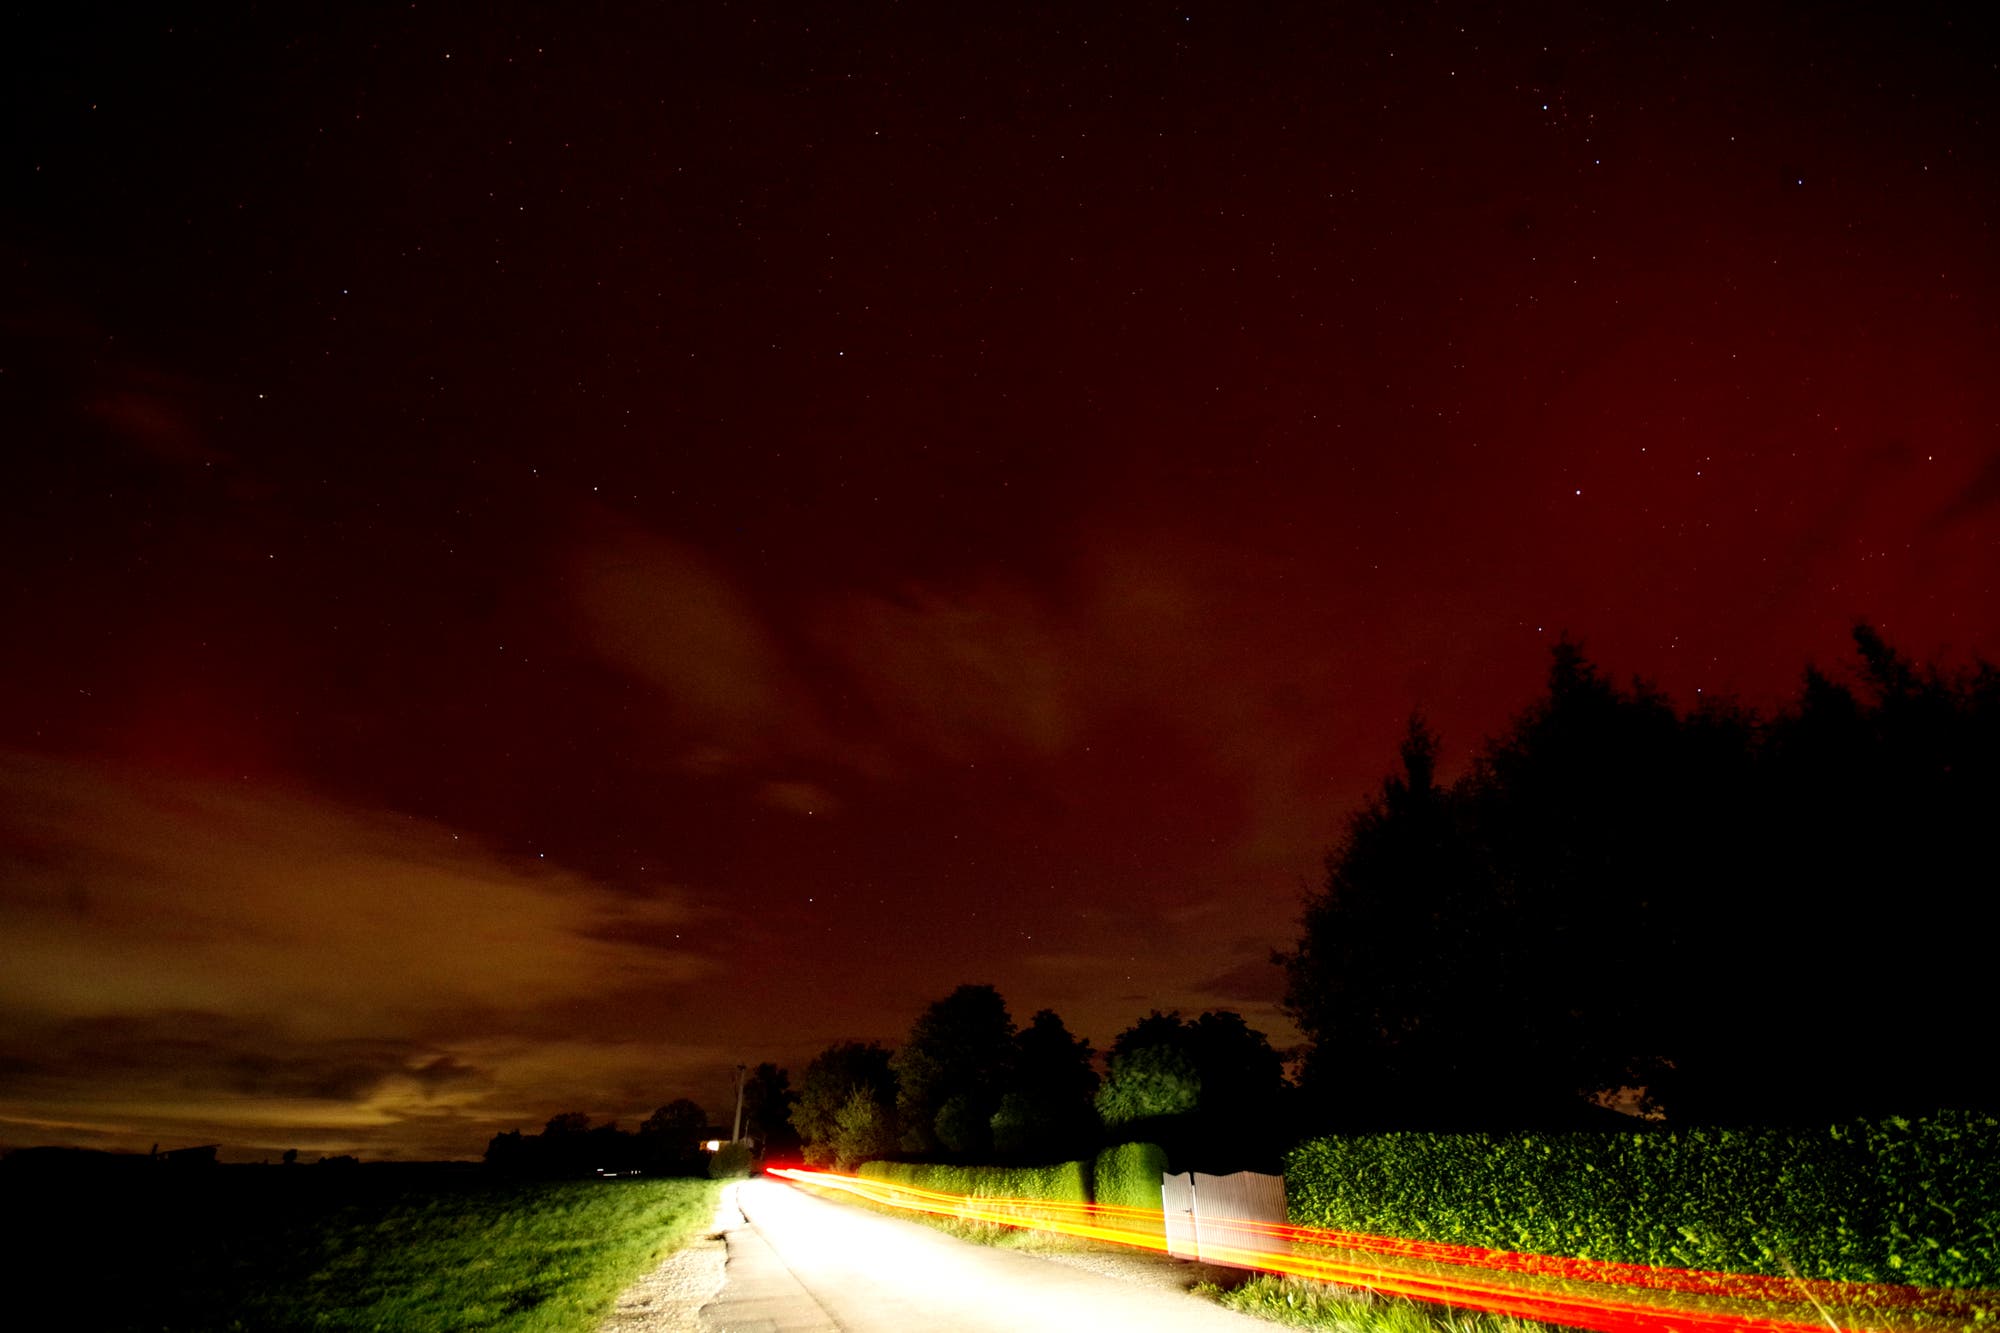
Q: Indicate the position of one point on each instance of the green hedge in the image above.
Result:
(1876, 1201)
(1065, 1181)
(1129, 1175)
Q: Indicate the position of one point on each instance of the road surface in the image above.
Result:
(799, 1263)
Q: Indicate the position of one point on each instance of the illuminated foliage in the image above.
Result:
(1209, 1089)
(1149, 1082)
(1128, 1175)
(864, 1129)
(1895, 1201)
(832, 1081)
(1064, 1182)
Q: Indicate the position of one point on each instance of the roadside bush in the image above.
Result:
(730, 1162)
(1894, 1200)
(1128, 1176)
(863, 1129)
(1068, 1182)
(1149, 1082)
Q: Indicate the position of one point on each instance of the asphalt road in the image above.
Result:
(797, 1262)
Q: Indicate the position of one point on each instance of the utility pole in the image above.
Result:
(737, 1136)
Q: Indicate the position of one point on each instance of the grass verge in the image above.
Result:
(286, 1253)
(1320, 1305)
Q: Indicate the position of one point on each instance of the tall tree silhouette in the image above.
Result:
(1395, 972)
(952, 1072)
(1749, 918)
(671, 1136)
(1209, 1089)
(1046, 1109)
(767, 1109)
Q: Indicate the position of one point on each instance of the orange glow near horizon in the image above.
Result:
(1579, 1293)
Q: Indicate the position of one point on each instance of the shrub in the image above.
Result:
(1068, 1182)
(1875, 1201)
(1151, 1081)
(862, 1129)
(1128, 1176)
(1016, 1125)
(731, 1162)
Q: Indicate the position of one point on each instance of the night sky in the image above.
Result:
(545, 553)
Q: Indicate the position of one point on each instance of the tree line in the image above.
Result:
(667, 1142)
(968, 1085)
(1728, 916)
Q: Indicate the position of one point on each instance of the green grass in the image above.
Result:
(282, 1251)
(1304, 1304)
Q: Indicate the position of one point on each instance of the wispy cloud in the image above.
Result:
(663, 612)
(959, 675)
(373, 969)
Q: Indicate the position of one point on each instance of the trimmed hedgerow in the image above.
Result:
(1065, 1181)
(1129, 1175)
(1906, 1201)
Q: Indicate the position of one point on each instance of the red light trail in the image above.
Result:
(1579, 1293)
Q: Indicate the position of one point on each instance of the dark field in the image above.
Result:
(371, 1247)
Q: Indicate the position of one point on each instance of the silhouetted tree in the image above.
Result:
(767, 1109)
(679, 1118)
(1748, 918)
(831, 1082)
(565, 1147)
(1242, 1077)
(1208, 1089)
(670, 1138)
(608, 1148)
(568, 1146)
(1859, 926)
(1155, 1029)
(1046, 1110)
(1407, 874)
(952, 1072)
(505, 1152)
